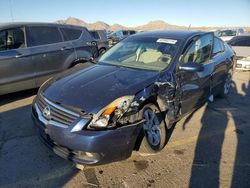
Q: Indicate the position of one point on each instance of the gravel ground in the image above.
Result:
(209, 148)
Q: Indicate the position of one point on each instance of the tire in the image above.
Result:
(225, 90)
(102, 51)
(81, 65)
(154, 130)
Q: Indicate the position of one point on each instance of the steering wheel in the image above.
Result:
(164, 56)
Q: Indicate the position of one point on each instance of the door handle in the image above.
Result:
(65, 48)
(19, 55)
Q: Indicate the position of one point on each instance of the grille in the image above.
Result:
(57, 113)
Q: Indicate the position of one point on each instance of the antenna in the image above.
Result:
(11, 11)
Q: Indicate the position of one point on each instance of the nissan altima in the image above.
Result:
(132, 96)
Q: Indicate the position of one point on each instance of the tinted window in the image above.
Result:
(125, 32)
(12, 39)
(95, 34)
(227, 33)
(218, 46)
(70, 34)
(240, 41)
(43, 35)
(199, 51)
(132, 32)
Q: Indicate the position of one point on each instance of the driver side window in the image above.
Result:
(200, 50)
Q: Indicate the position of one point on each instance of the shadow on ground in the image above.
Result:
(208, 152)
(24, 160)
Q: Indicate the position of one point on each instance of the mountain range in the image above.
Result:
(152, 25)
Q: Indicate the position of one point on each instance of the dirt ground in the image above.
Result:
(209, 148)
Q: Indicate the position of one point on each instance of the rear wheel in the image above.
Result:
(154, 129)
(102, 51)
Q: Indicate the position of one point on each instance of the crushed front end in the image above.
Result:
(80, 137)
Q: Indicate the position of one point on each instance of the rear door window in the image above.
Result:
(125, 33)
(132, 32)
(43, 35)
(71, 34)
(218, 46)
(12, 39)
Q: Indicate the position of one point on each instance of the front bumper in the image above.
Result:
(89, 147)
(240, 65)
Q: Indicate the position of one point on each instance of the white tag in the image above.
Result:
(168, 41)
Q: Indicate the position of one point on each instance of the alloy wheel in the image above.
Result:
(152, 127)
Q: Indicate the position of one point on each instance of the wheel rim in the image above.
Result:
(227, 84)
(152, 127)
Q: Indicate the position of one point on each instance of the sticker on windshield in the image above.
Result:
(168, 41)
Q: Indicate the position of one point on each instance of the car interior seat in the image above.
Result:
(150, 56)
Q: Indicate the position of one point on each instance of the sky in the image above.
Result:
(131, 12)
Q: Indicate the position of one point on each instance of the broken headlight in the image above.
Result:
(107, 117)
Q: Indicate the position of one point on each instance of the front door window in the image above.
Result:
(200, 50)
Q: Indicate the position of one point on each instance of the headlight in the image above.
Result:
(113, 111)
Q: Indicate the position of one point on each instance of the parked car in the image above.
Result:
(241, 45)
(228, 34)
(30, 53)
(101, 39)
(133, 96)
(117, 36)
(243, 64)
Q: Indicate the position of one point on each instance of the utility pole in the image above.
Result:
(11, 11)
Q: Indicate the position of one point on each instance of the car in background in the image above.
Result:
(133, 96)
(30, 53)
(241, 45)
(228, 34)
(243, 64)
(101, 39)
(116, 36)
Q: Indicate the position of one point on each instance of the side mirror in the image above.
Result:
(192, 67)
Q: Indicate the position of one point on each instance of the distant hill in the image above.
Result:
(153, 25)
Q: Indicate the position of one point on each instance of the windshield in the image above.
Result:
(115, 34)
(142, 53)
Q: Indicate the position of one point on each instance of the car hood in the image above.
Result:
(93, 88)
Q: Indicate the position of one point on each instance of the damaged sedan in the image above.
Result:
(132, 96)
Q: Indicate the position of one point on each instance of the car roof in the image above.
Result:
(97, 30)
(18, 24)
(174, 34)
(243, 35)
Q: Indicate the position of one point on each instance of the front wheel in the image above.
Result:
(154, 129)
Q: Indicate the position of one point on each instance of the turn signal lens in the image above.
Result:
(109, 111)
